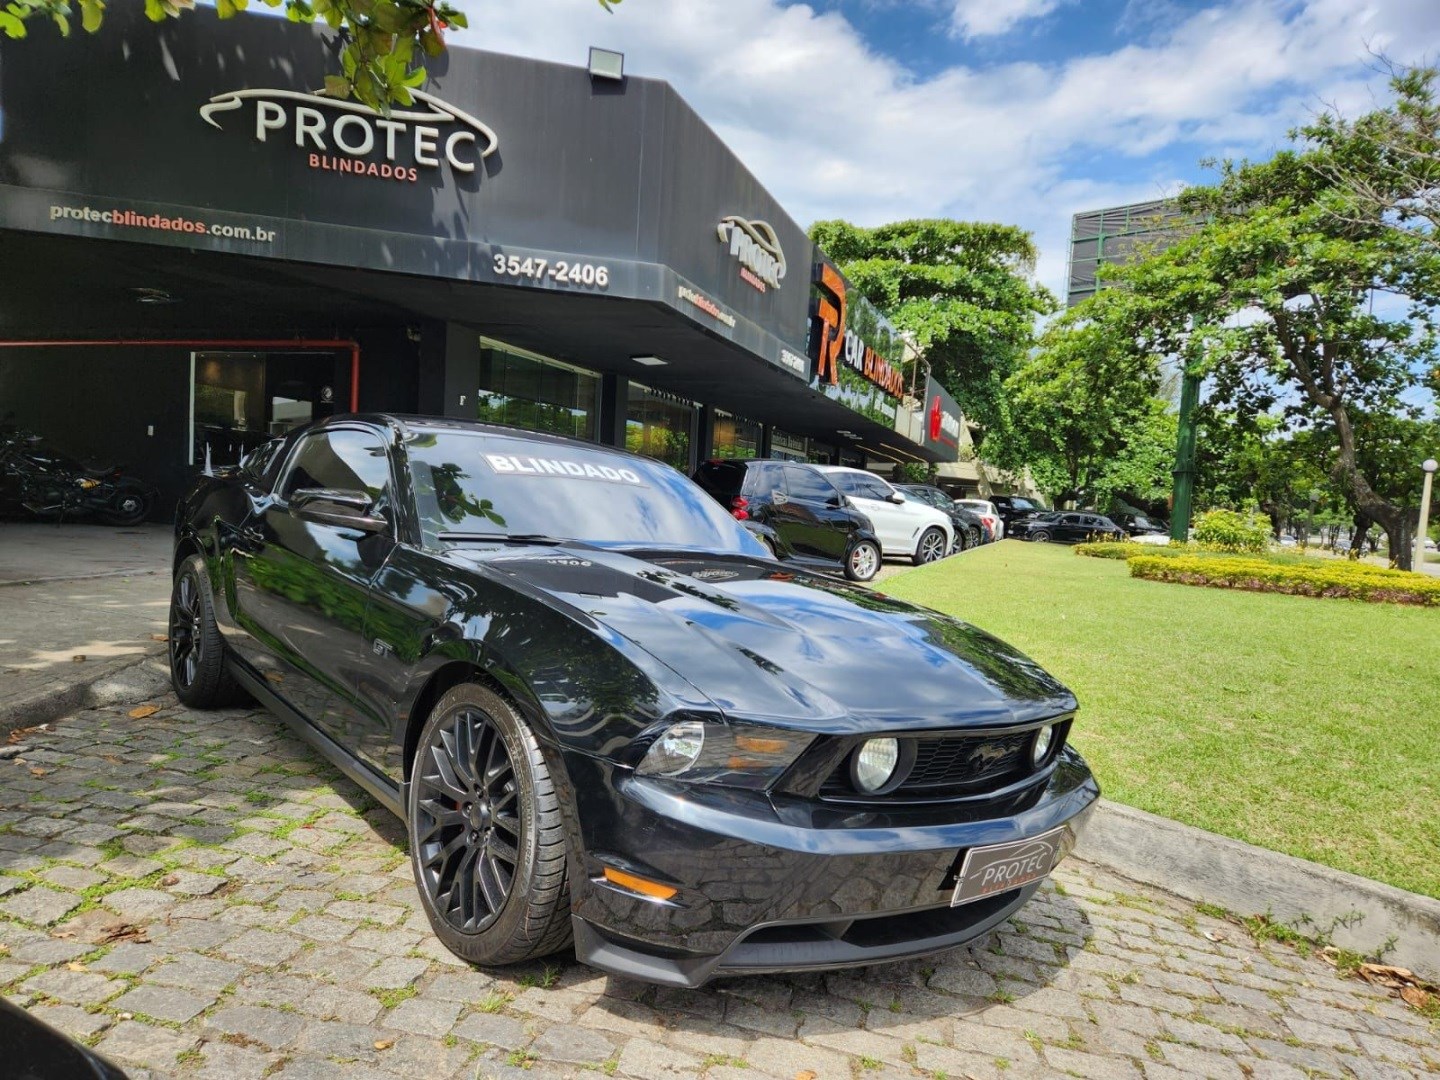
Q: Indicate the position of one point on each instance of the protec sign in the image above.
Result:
(341, 135)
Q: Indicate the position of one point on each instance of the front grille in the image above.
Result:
(954, 766)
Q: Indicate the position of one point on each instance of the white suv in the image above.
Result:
(906, 528)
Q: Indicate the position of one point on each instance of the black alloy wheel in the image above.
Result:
(197, 651)
(487, 844)
(128, 507)
(930, 547)
(961, 541)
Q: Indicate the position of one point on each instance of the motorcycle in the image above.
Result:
(52, 487)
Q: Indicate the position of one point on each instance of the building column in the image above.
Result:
(763, 450)
(614, 407)
(705, 437)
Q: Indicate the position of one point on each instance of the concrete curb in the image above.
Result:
(143, 677)
(1249, 880)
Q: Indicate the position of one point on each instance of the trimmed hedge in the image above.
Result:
(1124, 549)
(1350, 581)
(1226, 530)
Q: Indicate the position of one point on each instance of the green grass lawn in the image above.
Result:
(1307, 726)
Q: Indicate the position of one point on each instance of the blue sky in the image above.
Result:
(1021, 111)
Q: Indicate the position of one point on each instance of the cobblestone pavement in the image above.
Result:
(199, 896)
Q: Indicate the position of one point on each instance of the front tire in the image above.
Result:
(197, 651)
(931, 547)
(863, 561)
(487, 843)
(1041, 537)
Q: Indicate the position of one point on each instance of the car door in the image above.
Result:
(1070, 527)
(894, 525)
(808, 512)
(302, 588)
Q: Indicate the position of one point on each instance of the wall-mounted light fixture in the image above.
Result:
(607, 64)
(649, 361)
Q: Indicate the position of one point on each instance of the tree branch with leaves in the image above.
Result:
(386, 41)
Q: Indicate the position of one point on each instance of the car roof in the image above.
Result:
(416, 422)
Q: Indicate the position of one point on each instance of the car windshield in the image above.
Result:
(1143, 522)
(494, 485)
(1017, 503)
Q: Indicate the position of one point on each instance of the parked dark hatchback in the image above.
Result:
(969, 528)
(1067, 526)
(1013, 508)
(605, 713)
(797, 512)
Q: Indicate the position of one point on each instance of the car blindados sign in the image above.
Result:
(342, 136)
(848, 329)
(756, 247)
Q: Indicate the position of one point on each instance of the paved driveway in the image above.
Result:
(197, 895)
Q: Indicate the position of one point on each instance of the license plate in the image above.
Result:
(1002, 867)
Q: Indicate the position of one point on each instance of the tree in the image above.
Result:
(1074, 407)
(1275, 298)
(386, 41)
(962, 291)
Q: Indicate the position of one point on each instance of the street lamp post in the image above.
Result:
(1430, 465)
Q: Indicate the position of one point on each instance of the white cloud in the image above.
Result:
(836, 129)
(971, 19)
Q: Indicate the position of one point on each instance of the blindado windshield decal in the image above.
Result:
(340, 134)
(756, 247)
(514, 465)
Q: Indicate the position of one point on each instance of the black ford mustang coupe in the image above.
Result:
(606, 713)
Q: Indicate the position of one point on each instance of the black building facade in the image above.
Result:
(196, 251)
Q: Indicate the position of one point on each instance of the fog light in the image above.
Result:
(875, 764)
(1043, 738)
(675, 751)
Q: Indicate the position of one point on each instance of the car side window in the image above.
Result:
(1072, 519)
(807, 484)
(862, 486)
(344, 460)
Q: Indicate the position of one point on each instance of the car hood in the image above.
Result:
(765, 643)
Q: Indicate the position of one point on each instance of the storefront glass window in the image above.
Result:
(821, 453)
(659, 425)
(788, 447)
(734, 436)
(535, 392)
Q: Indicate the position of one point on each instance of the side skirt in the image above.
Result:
(384, 792)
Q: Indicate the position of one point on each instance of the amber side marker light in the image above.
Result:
(639, 884)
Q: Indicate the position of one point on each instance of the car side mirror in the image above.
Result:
(897, 497)
(342, 509)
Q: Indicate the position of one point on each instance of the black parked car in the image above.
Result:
(33, 1050)
(1015, 508)
(605, 712)
(1067, 526)
(1140, 525)
(796, 512)
(969, 529)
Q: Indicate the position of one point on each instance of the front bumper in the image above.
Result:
(779, 885)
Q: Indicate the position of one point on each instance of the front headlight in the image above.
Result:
(737, 755)
(1040, 749)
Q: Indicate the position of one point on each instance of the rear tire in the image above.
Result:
(130, 506)
(487, 842)
(197, 651)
